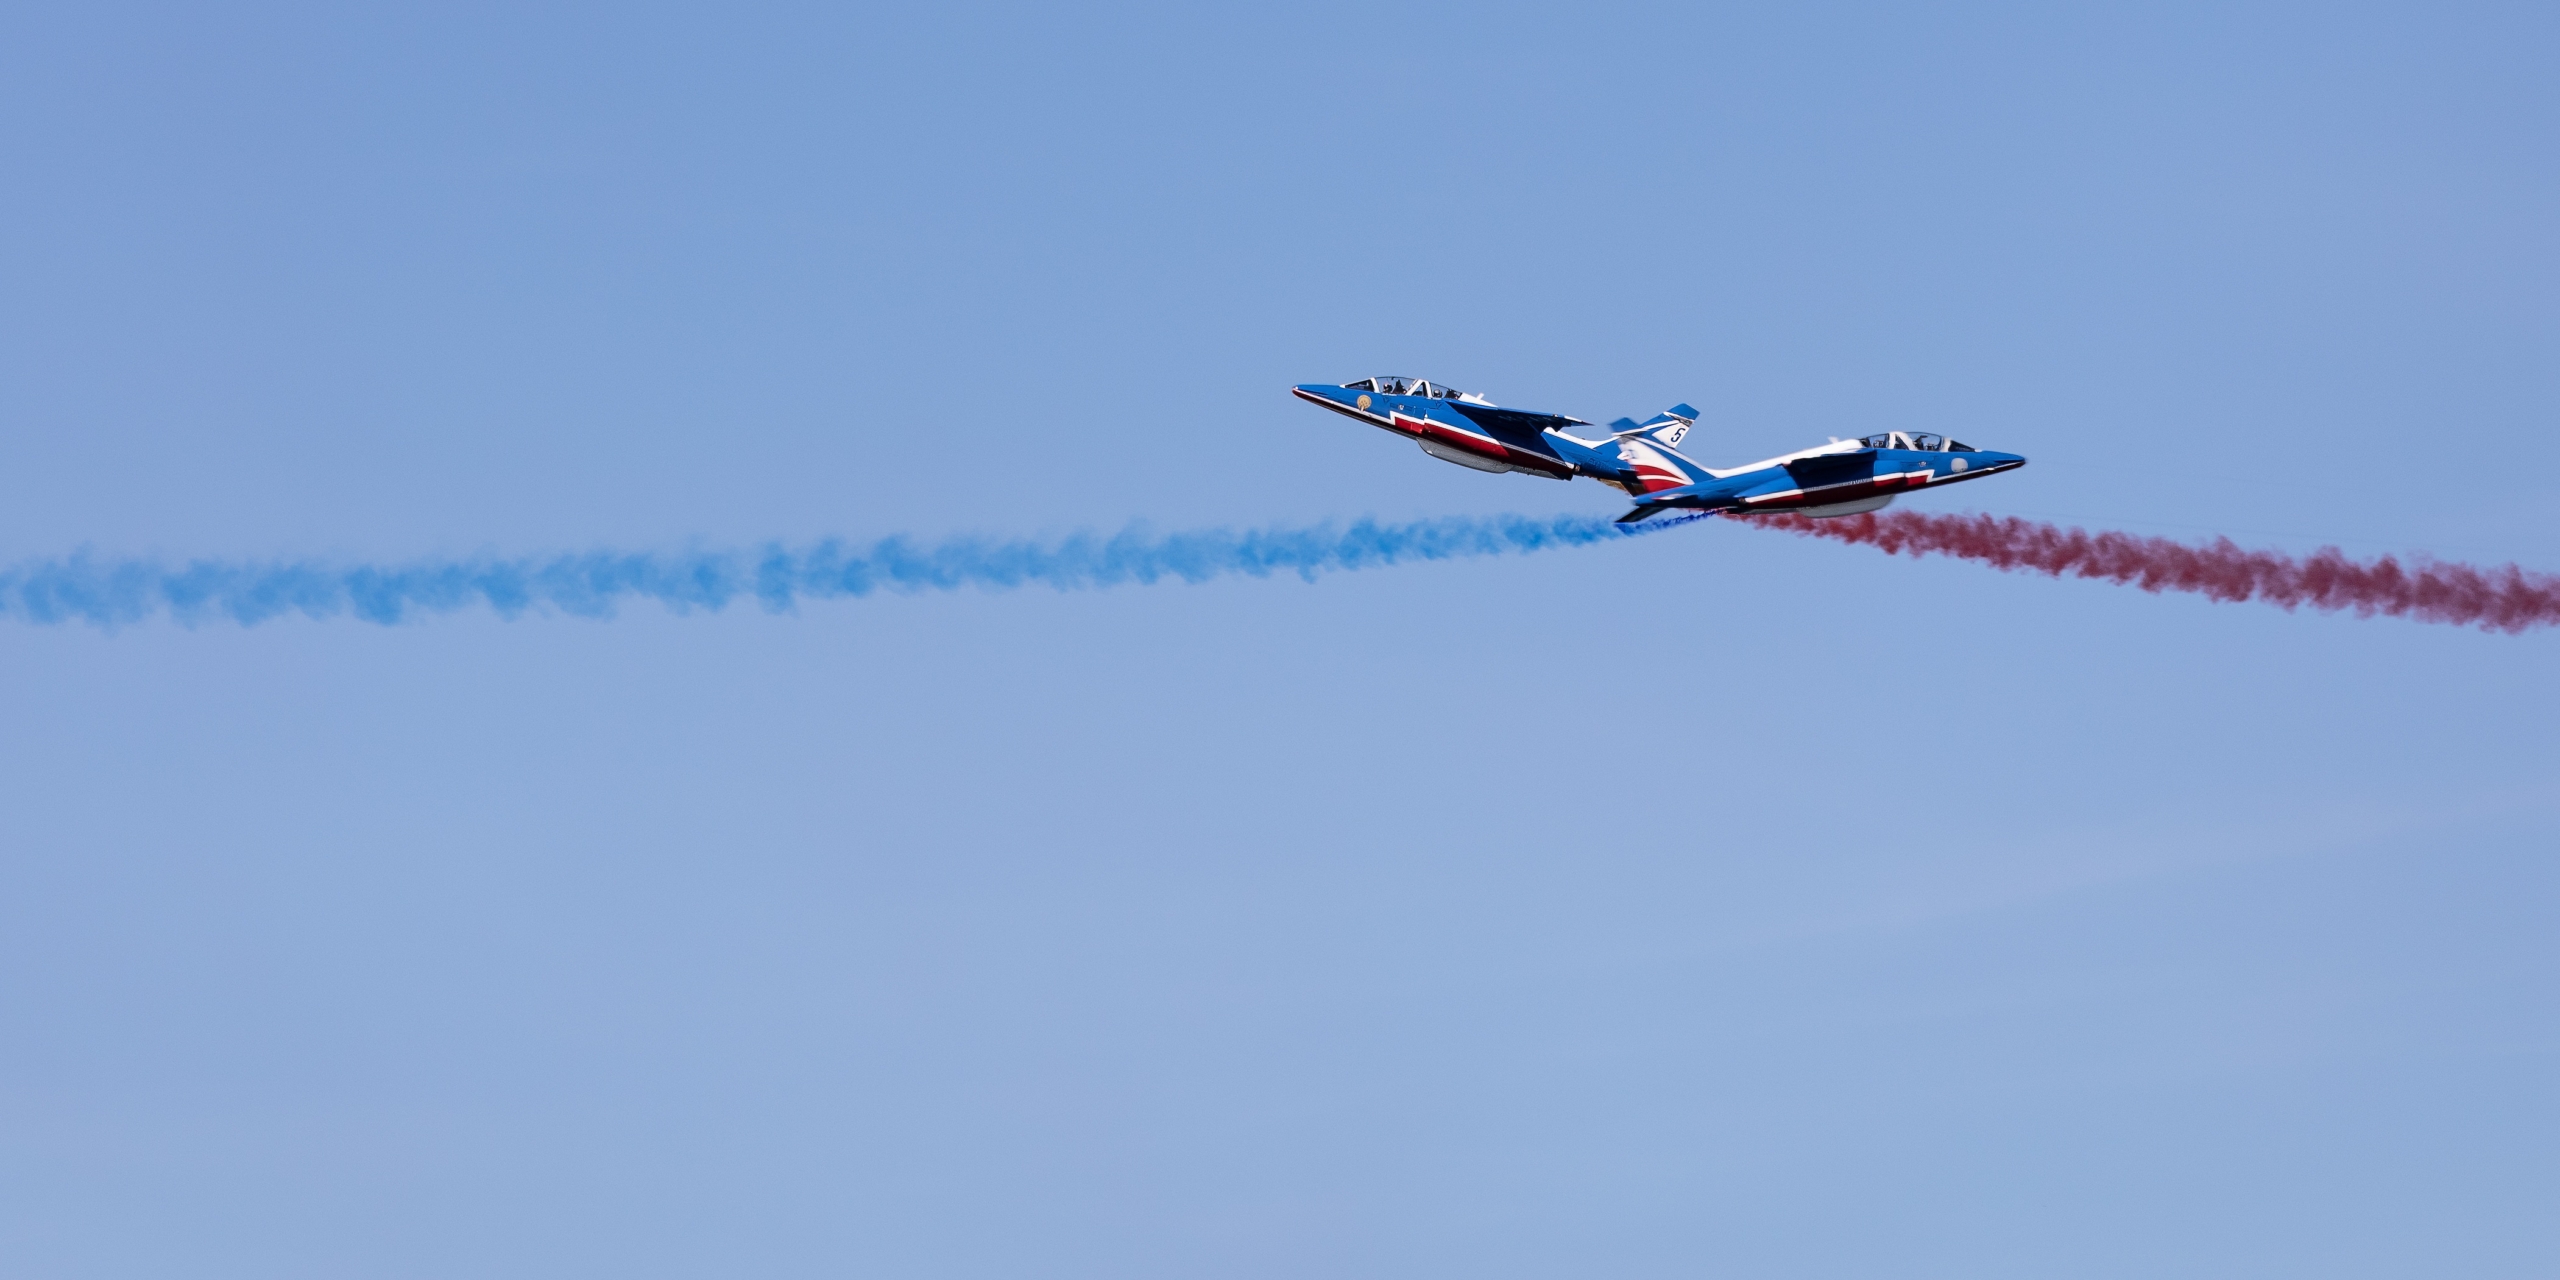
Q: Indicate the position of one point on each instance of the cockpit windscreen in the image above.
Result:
(1406, 387)
(1917, 441)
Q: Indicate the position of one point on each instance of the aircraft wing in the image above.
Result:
(1485, 415)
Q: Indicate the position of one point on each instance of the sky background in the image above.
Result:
(1720, 902)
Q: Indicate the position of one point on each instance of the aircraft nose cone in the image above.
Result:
(1977, 462)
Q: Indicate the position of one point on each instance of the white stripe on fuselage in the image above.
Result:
(1401, 418)
(1820, 450)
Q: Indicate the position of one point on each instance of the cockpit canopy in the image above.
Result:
(1409, 387)
(1920, 442)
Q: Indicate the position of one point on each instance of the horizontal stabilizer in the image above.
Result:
(1659, 501)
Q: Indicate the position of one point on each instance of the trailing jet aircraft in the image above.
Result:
(1841, 478)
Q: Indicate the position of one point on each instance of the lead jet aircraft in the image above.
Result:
(1841, 478)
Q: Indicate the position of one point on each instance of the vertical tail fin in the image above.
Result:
(1653, 468)
(1665, 428)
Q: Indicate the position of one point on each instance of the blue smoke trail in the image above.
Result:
(110, 593)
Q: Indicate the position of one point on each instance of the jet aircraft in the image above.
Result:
(1841, 478)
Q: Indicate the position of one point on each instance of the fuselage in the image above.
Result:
(1843, 477)
(1453, 426)
(1837, 478)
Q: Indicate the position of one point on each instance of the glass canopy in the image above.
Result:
(1407, 387)
(1919, 442)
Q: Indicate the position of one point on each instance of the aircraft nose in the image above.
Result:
(1977, 462)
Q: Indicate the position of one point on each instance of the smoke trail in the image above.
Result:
(2503, 599)
(108, 593)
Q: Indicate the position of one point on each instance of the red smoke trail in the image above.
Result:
(2502, 599)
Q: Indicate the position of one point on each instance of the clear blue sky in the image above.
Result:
(1721, 903)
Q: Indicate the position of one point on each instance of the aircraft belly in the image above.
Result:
(1441, 440)
(1463, 457)
(1858, 507)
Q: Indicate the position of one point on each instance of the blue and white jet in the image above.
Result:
(1841, 478)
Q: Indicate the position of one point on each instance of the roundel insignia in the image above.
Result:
(1363, 402)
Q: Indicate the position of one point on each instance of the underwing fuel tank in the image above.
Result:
(1858, 507)
(1471, 461)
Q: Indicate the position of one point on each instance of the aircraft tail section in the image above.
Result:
(1666, 428)
(1647, 457)
(1641, 458)
(1651, 469)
